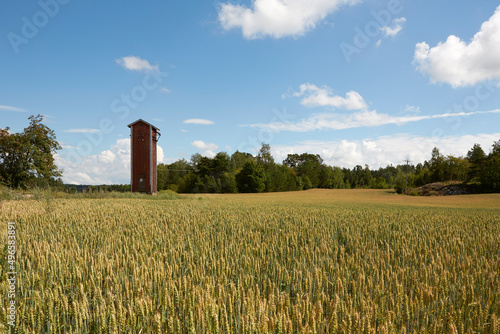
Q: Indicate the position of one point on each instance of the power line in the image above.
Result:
(406, 181)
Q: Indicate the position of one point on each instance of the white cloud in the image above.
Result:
(82, 130)
(459, 63)
(160, 156)
(395, 28)
(9, 108)
(133, 63)
(321, 97)
(165, 90)
(68, 146)
(111, 166)
(106, 157)
(278, 18)
(379, 43)
(332, 121)
(412, 109)
(385, 150)
(198, 121)
(208, 149)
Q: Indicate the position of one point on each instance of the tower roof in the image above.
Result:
(143, 121)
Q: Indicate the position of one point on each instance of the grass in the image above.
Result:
(49, 194)
(317, 261)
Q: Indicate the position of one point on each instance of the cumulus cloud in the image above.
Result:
(395, 27)
(314, 96)
(198, 121)
(9, 108)
(111, 166)
(278, 18)
(160, 155)
(385, 150)
(133, 63)
(459, 63)
(367, 118)
(208, 149)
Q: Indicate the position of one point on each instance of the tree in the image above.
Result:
(238, 159)
(162, 176)
(27, 158)
(490, 178)
(187, 183)
(496, 147)
(176, 171)
(437, 167)
(265, 157)
(251, 179)
(169, 176)
(456, 168)
(306, 164)
(476, 157)
(221, 163)
(331, 178)
(306, 183)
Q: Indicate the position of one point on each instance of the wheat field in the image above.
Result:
(320, 261)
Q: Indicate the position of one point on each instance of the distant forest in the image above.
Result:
(244, 173)
(27, 161)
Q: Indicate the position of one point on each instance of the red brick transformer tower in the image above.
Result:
(143, 138)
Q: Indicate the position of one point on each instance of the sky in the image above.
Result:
(359, 82)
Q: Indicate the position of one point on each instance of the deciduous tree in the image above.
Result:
(27, 158)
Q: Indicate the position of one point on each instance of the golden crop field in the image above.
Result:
(319, 261)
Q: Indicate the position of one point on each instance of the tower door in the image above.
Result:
(141, 183)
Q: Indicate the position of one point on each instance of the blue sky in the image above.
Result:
(356, 81)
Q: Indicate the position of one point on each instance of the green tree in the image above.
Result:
(437, 166)
(331, 177)
(252, 178)
(490, 178)
(306, 182)
(423, 174)
(162, 176)
(456, 168)
(496, 147)
(238, 159)
(221, 163)
(476, 157)
(264, 156)
(306, 164)
(187, 183)
(27, 158)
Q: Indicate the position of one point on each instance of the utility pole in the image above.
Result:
(406, 181)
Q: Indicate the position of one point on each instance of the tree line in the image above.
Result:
(27, 161)
(243, 172)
